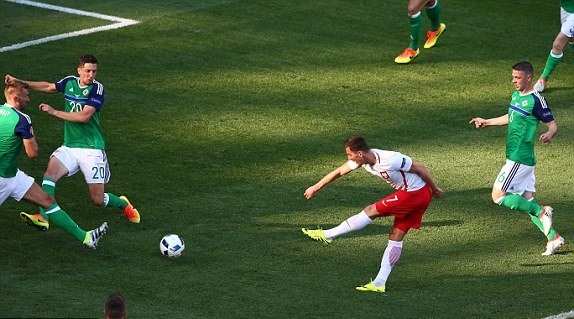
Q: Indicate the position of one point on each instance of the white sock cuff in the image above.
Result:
(499, 200)
(53, 210)
(393, 243)
(106, 200)
(364, 218)
(48, 182)
(435, 3)
(416, 15)
(557, 56)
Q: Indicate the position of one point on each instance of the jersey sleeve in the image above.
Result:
(400, 162)
(24, 127)
(393, 161)
(61, 85)
(541, 110)
(96, 97)
(352, 165)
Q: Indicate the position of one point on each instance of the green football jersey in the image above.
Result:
(14, 126)
(524, 114)
(82, 135)
(568, 5)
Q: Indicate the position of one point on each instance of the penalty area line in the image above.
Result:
(119, 23)
(564, 315)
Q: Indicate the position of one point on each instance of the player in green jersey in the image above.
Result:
(16, 131)
(432, 8)
(514, 185)
(84, 147)
(565, 36)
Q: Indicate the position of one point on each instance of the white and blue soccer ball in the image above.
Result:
(171, 245)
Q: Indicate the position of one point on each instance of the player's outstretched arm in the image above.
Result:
(338, 172)
(479, 122)
(546, 137)
(46, 87)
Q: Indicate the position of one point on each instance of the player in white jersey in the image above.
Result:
(414, 187)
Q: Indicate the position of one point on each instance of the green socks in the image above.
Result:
(415, 23)
(516, 202)
(49, 186)
(551, 63)
(538, 223)
(55, 215)
(111, 200)
(434, 15)
(415, 30)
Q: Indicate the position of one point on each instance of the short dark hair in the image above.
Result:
(356, 143)
(115, 306)
(524, 66)
(87, 58)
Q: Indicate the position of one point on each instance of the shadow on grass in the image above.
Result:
(375, 228)
(557, 89)
(551, 263)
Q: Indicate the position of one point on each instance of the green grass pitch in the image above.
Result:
(220, 113)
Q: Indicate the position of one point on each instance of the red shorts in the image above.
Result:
(408, 208)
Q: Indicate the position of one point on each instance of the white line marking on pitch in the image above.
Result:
(563, 315)
(119, 23)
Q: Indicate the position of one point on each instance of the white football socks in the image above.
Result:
(390, 258)
(352, 223)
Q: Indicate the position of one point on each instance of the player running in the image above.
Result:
(84, 147)
(514, 185)
(432, 8)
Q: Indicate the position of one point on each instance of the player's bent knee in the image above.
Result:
(98, 201)
(371, 211)
(413, 11)
(497, 195)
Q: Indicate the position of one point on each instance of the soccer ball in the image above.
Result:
(171, 245)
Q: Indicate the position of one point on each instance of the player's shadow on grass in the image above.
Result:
(556, 89)
(551, 263)
(377, 228)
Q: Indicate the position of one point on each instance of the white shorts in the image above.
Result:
(15, 187)
(516, 178)
(567, 22)
(93, 163)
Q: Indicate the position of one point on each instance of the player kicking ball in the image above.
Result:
(16, 132)
(414, 187)
(83, 149)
